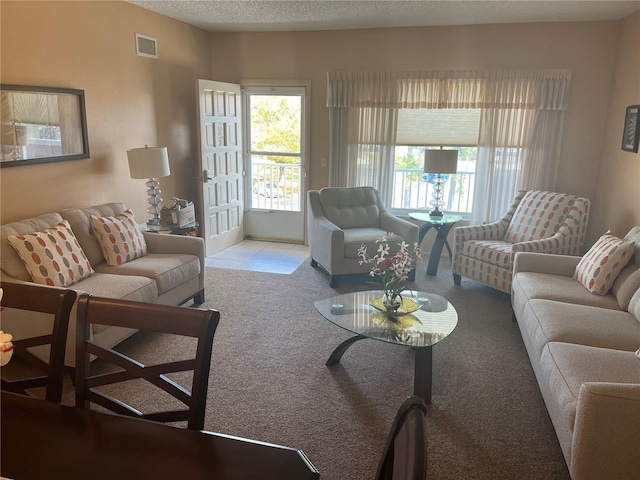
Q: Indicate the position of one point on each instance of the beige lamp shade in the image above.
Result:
(148, 162)
(440, 161)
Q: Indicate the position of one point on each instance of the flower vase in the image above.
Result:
(392, 301)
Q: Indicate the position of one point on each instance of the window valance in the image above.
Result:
(535, 89)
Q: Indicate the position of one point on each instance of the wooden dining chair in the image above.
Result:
(405, 453)
(180, 321)
(46, 300)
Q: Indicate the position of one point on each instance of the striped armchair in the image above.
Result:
(537, 221)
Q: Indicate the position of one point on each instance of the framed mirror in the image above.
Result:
(41, 124)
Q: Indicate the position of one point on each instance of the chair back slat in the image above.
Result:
(405, 453)
(181, 321)
(57, 302)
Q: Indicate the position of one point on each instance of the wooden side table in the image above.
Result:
(442, 225)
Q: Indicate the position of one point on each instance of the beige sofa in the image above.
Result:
(171, 274)
(582, 350)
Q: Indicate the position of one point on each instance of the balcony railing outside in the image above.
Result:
(412, 191)
(275, 186)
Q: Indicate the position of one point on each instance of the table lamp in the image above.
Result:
(440, 162)
(151, 163)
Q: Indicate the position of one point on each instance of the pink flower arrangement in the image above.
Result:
(391, 271)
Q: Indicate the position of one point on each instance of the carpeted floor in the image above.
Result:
(269, 380)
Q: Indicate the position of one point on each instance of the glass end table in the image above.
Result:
(442, 225)
(432, 322)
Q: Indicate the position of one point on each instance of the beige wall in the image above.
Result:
(617, 199)
(588, 49)
(131, 101)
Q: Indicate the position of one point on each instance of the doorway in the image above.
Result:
(274, 120)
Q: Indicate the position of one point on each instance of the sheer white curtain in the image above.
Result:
(520, 127)
(363, 131)
(364, 148)
(520, 137)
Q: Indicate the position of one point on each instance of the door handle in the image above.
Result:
(206, 176)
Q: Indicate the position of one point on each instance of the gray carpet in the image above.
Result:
(269, 380)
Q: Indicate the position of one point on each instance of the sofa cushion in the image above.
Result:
(551, 321)
(539, 215)
(601, 265)
(627, 283)
(532, 285)
(634, 236)
(351, 207)
(137, 289)
(52, 256)
(354, 238)
(566, 366)
(634, 305)
(166, 270)
(80, 221)
(120, 238)
(10, 261)
(495, 252)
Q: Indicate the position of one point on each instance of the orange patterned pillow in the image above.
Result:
(120, 238)
(602, 264)
(53, 256)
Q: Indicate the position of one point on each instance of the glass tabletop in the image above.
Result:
(425, 217)
(434, 320)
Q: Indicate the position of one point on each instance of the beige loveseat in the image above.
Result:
(582, 350)
(171, 274)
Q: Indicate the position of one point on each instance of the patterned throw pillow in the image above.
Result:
(602, 264)
(53, 256)
(120, 238)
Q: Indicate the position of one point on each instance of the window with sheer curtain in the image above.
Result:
(520, 127)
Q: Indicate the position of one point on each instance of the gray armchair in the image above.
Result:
(340, 220)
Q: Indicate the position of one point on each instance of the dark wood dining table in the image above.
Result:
(46, 440)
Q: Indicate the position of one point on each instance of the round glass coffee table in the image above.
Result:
(433, 320)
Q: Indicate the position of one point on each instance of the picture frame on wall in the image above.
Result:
(41, 124)
(631, 132)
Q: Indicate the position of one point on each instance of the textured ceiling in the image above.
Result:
(294, 15)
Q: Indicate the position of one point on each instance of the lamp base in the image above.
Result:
(438, 196)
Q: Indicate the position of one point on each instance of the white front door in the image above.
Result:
(219, 109)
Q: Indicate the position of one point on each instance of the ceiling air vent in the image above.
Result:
(146, 46)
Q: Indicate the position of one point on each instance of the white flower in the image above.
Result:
(390, 271)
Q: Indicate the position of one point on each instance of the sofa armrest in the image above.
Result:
(159, 243)
(606, 434)
(175, 244)
(562, 265)
(326, 237)
(486, 231)
(406, 229)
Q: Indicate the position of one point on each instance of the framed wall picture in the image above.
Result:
(41, 124)
(631, 133)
